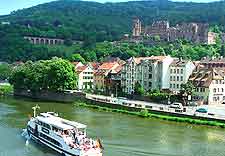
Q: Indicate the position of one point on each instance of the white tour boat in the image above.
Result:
(69, 138)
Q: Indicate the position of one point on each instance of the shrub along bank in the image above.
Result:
(6, 89)
(145, 114)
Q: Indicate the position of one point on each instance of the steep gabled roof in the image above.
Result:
(80, 69)
(203, 77)
(139, 59)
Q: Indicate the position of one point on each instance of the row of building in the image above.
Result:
(156, 72)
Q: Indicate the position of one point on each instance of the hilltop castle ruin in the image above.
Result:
(193, 32)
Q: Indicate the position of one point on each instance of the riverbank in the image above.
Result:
(145, 114)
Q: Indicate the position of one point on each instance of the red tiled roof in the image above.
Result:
(117, 69)
(108, 65)
(95, 65)
(80, 69)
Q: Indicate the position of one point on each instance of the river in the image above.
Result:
(122, 135)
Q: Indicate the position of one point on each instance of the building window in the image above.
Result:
(178, 86)
(218, 89)
(174, 86)
(150, 76)
(222, 90)
(171, 78)
(178, 78)
(174, 70)
(171, 85)
(150, 68)
(178, 71)
(174, 78)
(171, 70)
(181, 78)
(214, 98)
(214, 90)
(145, 83)
(150, 84)
(181, 71)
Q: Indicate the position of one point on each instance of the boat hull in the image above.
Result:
(49, 145)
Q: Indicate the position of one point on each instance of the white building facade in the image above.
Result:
(150, 72)
(85, 77)
(180, 71)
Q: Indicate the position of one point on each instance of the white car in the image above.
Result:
(176, 105)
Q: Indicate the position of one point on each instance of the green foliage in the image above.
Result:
(144, 113)
(138, 89)
(77, 58)
(188, 88)
(6, 89)
(94, 23)
(5, 71)
(158, 96)
(55, 74)
(79, 20)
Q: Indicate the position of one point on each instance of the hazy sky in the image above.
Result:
(6, 6)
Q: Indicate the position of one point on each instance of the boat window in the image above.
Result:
(45, 130)
(46, 125)
(53, 141)
(55, 129)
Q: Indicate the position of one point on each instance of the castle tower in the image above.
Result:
(136, 27)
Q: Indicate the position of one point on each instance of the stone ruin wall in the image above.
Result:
(194, 32)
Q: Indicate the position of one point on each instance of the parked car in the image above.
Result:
(194, 104)
(176, 105)
(201, 110)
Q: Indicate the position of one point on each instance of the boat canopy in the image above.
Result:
(59, 122)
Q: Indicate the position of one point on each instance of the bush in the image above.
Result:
(144, 113)
(5, 90)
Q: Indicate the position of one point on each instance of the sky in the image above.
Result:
(7, 6)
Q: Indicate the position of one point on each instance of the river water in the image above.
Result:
(122, 135)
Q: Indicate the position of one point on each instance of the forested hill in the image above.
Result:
(79, 19)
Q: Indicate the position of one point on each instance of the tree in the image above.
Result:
(68, 42)
(187, 88)
(5, 71)
(138, 89)
(77, 58)
(55, 75)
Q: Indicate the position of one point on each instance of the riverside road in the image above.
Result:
(214, 112)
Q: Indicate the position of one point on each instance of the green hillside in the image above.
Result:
(79, 19)
(94, 22)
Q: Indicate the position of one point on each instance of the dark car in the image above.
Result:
(201, 110)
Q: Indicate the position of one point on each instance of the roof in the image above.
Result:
(108, 65)
(80, 69)
(76, 64)
(139, 59)
(59, 122)
(179, 62)
(55, 123)
(95, 65)
(207, 60)
(203, 77)
(117, 69)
